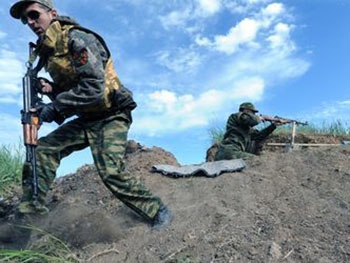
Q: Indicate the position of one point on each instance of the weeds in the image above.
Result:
(11, 161)
(334, 128)
(216, 134)
(47, 249)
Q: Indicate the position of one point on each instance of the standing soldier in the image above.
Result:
(241, 140)
(85, 84)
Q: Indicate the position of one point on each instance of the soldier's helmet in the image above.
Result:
(16, 9)
(247, 106)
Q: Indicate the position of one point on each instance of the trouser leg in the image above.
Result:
(108, 141)
(49, 152)
(256, 147)
(229, 152)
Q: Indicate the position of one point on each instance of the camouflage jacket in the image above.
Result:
(240, 131)
(81, 68)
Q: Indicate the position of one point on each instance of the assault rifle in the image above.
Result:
(30, 117)
(282, 120)
(32, 101)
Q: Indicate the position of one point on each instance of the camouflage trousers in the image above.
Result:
(229, 152)
(232, 151)
(107, 141)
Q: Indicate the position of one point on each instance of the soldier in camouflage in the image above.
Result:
(241, 140)
(84, 84)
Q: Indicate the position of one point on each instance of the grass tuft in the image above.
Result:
(11, 162)
(333, 128)
(47, 249)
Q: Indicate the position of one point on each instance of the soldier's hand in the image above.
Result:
(281, 122)
(47, 113)
(45, 86)
(261, 118)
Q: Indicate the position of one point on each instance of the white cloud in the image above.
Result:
(244, 6)
(281, 37)
(190, 11)
(248, 55)
(332, 111)
(10, 74)
(250, 89)
(345, 103)
(174, 112)
(8, 99)
(273, 9)
(270, 15)
(12, 131)
(245, 34)
(179, 60)
(223, 60)
(175, 19)
(209, 7)
(164, 110)
(2, 34)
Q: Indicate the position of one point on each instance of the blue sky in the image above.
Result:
(190, 63)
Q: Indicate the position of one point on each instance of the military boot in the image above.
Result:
(162, 219)
(32, 208)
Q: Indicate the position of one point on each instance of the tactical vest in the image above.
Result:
(59, 62)
(236, 133)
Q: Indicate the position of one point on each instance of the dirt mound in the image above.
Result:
(284, 138)
(283, 207)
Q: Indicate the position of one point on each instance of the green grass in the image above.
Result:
(216, 134)
(334, 128)
(48, 249)
(24, 256)
(11, 161)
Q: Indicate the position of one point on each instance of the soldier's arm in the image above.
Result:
(249, 119)
(260, 135)
(89, 58)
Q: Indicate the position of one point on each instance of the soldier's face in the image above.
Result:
(38, 18)
(249, 111)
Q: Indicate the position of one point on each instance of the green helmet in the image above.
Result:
(16, 9)
(247, 106)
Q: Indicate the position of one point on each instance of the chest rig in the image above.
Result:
(54, 51)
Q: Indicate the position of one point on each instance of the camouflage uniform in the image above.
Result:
(85, 84)
(241, 140)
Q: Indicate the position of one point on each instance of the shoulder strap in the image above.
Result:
(33, 55)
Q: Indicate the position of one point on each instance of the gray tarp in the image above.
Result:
(209, 169)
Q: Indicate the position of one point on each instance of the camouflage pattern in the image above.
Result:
(230, 152)
(241, 140)
(70, 60)
(80, 65)
(107, 140)
(247, 106)
(16, 9)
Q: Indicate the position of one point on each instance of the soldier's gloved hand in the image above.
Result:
(122, 99)
(46, 85)
(48, 113)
